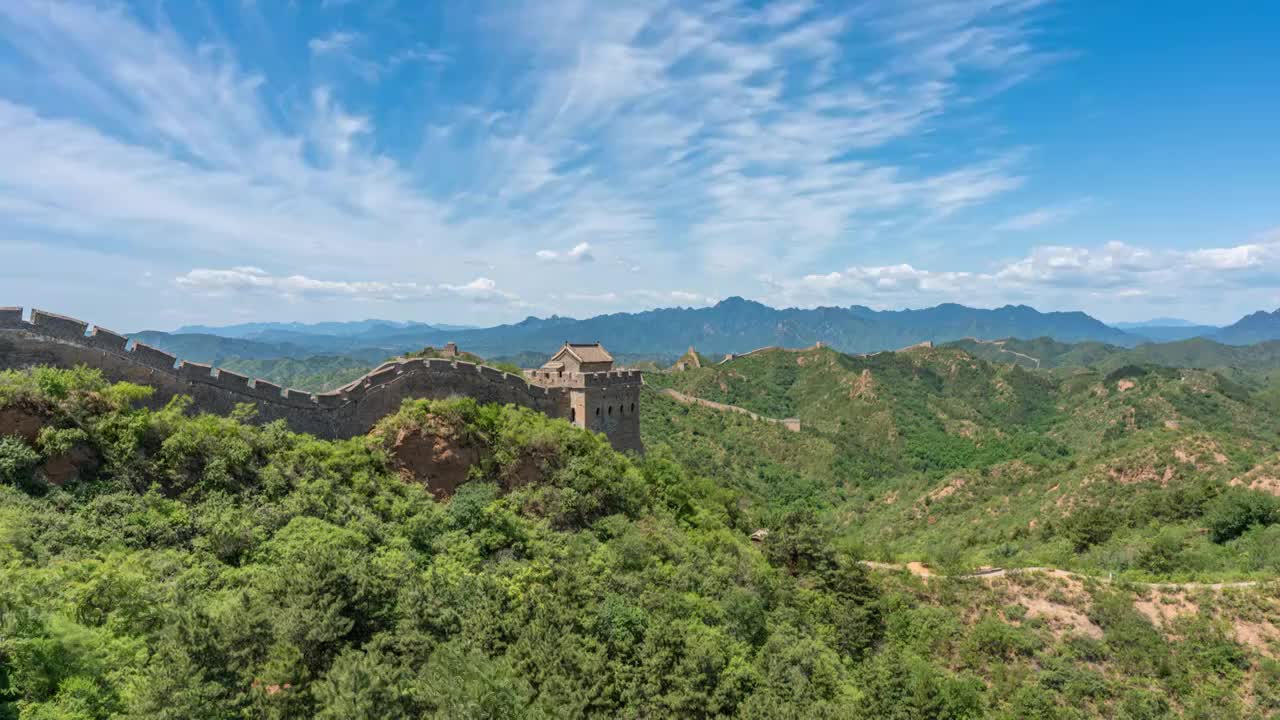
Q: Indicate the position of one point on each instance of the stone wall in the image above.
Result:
(792, 424)
(55, 340)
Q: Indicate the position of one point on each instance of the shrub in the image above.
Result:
(17, 460)
(1233, 512)
(1090, 526)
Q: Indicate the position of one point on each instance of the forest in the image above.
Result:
(162, 565)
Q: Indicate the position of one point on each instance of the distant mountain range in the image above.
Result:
(733, 325)
(1258, 327)
(1156, 322)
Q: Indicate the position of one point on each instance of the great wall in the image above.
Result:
(792, 424)
(605, 402)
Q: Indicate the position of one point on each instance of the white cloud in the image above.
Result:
(704, 138)
(1041, 217)
(248, 279)
(1113, 270)
(337, 41)
(580, 253)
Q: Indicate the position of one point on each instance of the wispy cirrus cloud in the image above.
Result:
(1043, 216)
(248, 279)
(337, 41)
(717, 141)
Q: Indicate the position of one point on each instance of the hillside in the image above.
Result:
(1254, 328)
(936, 455)
(1046, 353)
(164, 566)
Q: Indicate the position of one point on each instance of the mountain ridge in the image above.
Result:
(733, 325)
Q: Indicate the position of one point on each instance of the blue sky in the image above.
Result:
(171, 162)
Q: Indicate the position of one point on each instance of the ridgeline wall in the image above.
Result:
(56, 340)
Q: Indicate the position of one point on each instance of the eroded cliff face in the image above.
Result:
(441, 456)
(434, 454)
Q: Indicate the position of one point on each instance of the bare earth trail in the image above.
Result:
(919, 570)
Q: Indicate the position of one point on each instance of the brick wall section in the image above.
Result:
(56, 340)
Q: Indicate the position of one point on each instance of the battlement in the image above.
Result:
(51, 339)
(552, 378)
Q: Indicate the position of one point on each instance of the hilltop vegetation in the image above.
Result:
(315, 374)
(936, 455)
(1046, 353)
(197, 567)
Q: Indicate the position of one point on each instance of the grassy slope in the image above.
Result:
(936, 455)
(1192, 353)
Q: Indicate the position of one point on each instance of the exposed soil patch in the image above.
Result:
(918, 569)
(1061, 619)
(1265, 483)
(1144, 473)
(438, 455)
(23, 422)
(68, 466)
(1123, 385)
(1261, 636)
(1201, 452)
(863, 386)
(1162, 608)
(1264, 477)
(947, 490)
(435, 456)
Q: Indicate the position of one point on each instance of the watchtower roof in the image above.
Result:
(586, 352)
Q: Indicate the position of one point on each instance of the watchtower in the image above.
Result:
(599, 398)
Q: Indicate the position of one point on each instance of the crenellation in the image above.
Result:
(104, 339)
(330, 400)
(195, 372)
(600, 399)
(381, 376)
(59, 326)
(231, 381)
(267, 390)
(592, 394)
(153, 357)
(11, 317)
(413, 365)
(300, 397)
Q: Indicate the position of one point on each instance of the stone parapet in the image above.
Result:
(51, 339)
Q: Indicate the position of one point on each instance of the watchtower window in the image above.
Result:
(597, 412)
(573, 414)
(610, 409)
(633, 407)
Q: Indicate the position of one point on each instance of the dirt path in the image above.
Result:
(919, 570)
